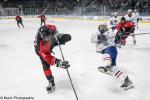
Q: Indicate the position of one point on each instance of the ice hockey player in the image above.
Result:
(114, 20)
(19, 21)
(43, 19)
(46, 39)
(124, 29)
(129, 16)
(106, 46)
(132, 16)
(136, 17)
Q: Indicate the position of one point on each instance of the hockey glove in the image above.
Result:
(62, 64)
(122, 30)
(101, 38)
(132, 30)
(117, 39)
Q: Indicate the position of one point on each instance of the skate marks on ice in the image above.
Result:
(113, 89)
(4, 46)
(17, 88)
(64, 84)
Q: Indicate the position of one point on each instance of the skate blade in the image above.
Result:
(104, 70)
(129, 87)
(52, 90)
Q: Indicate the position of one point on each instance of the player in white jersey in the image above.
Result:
(136, 17)
(106, 46)
(129, 16)
(114, 20)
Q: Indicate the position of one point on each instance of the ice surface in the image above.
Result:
(21, 71)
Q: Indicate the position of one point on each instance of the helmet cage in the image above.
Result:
(102, 28)
(45, 32)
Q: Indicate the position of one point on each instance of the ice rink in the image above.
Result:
(21, 72)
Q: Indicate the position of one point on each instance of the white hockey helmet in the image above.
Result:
(129, 11)
(115, 13)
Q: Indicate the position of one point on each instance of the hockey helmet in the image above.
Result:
(47, 30)
(102, 28)
(129, 11)
(115, 13)
(123, 19)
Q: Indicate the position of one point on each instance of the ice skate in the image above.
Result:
(51, 87)
(127, 84)
(105, 70)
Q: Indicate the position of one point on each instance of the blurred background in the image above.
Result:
(72, 7)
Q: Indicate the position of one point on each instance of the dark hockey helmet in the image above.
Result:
(123, 18)
(47, 30)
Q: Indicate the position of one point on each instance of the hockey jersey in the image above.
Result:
(104, 42)
(128, 25)
(130, 18)
(114, 20)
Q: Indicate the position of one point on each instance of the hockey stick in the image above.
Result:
(67, 69)
(137, 25)
(139, 34)
(130, 35)
(136, 34)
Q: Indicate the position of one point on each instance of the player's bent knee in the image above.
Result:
(107, 60)
(65, 38)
